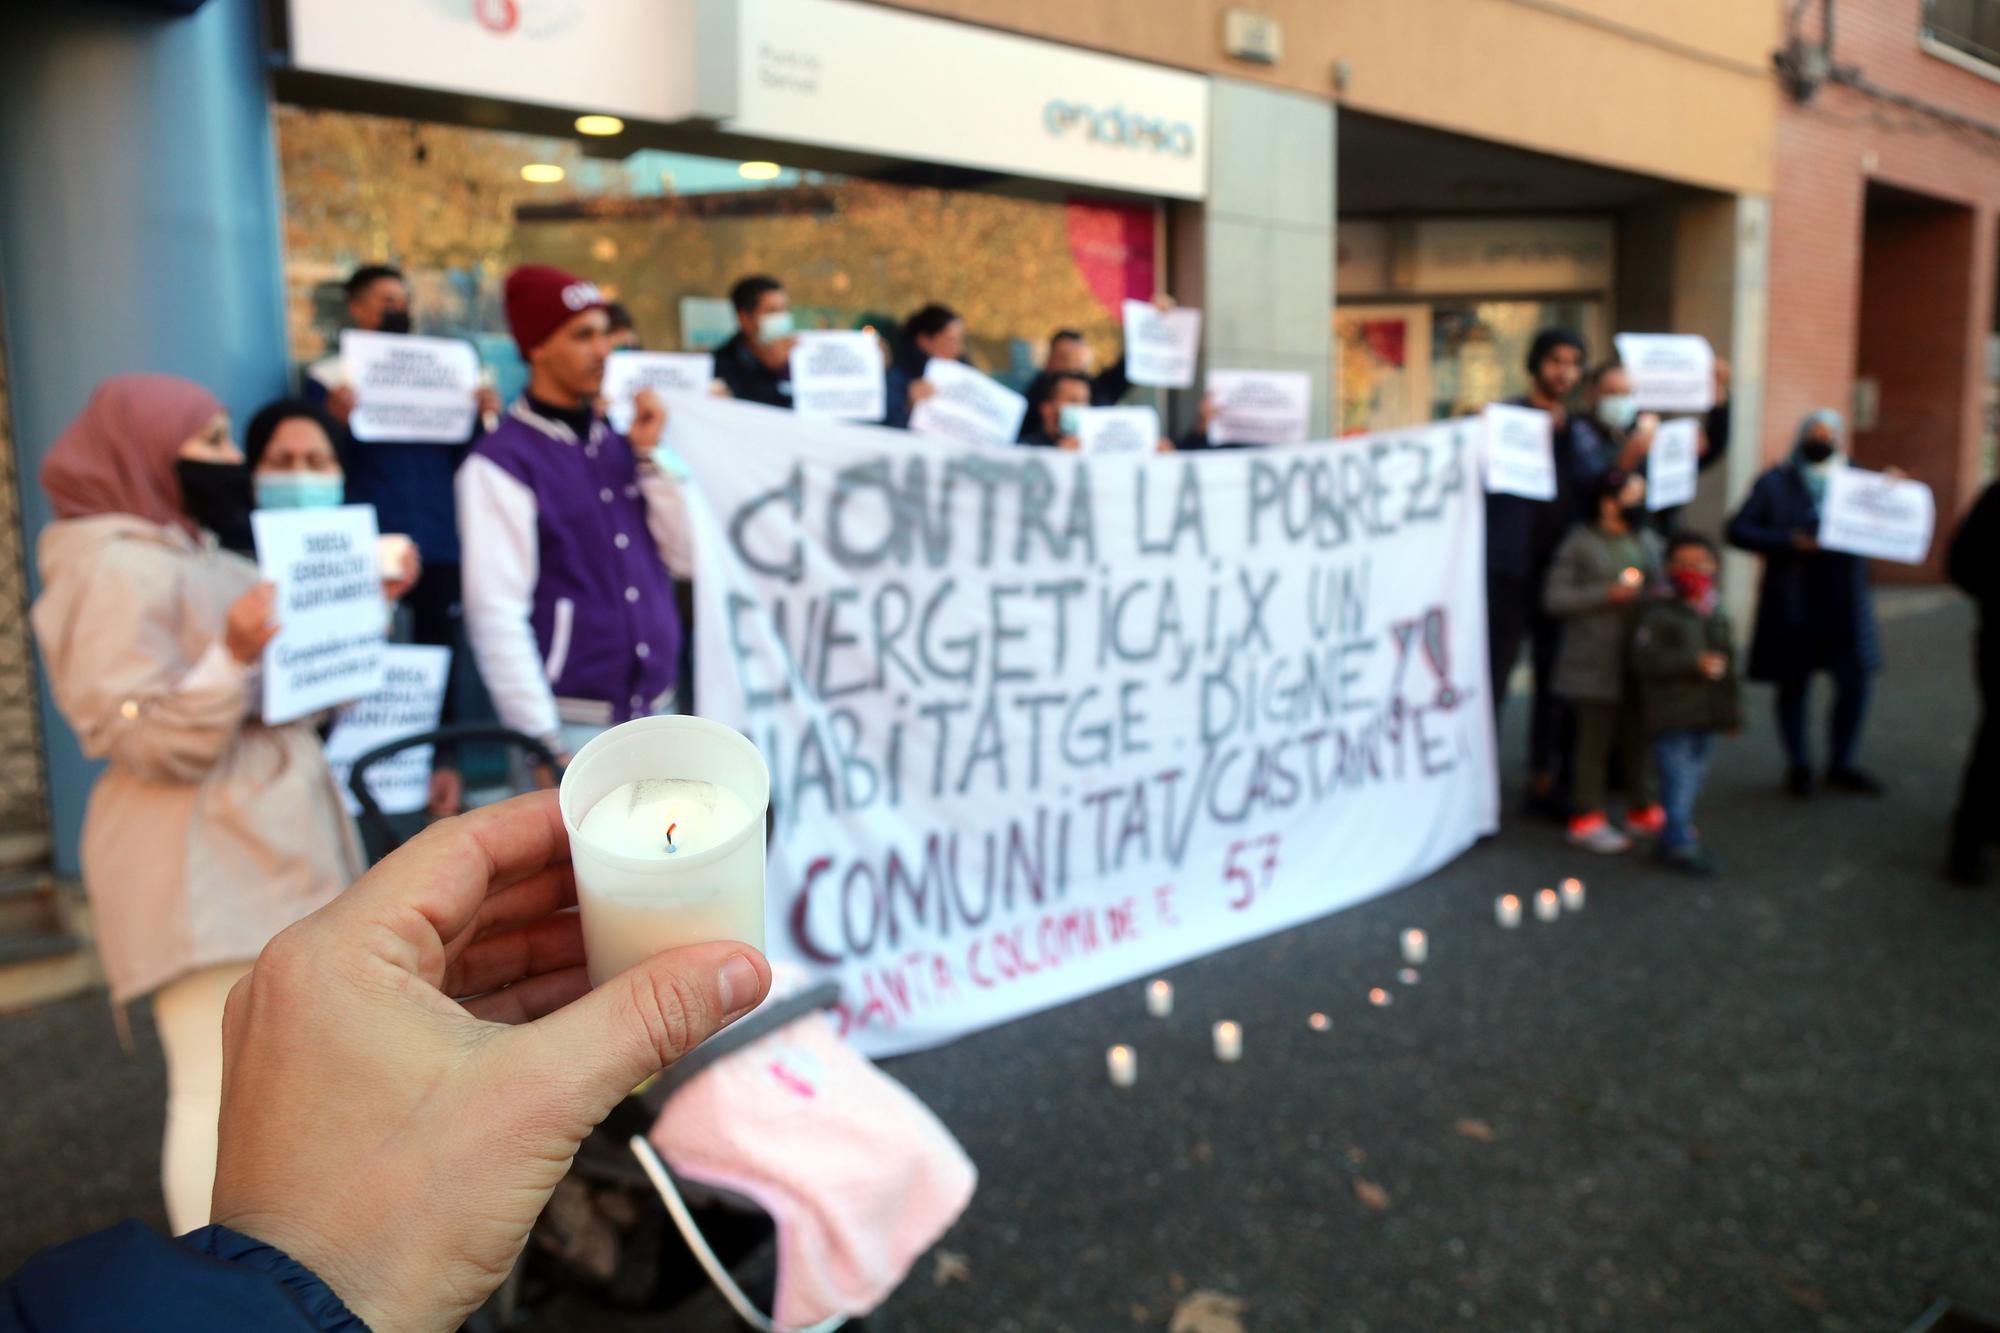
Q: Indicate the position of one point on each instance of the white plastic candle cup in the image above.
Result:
(1507, 910)
(1416, 947)
(1160, 998)
(1572, 895)
(1547, 905)
(635, 906)
(1228, 1042)
(1123, 1066)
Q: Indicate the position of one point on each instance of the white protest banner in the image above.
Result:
(1117, 430)
(408, 704)
(967, 406)
(1671, 372)
(1520, 451)
(837, 374)
(408, 389)
(1260, 406)
(1038, 724)
(1882, 517)
(1673, 464)
(625, 373)
(331, 618)
(1161, 345)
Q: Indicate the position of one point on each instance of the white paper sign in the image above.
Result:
(408, 704)
(408, 389)
(1884, 518)
(1161, 346)
(1260, 406)
(329, 608)
(1673, 464)
(625, 373)
(968, 407)
(1520, 451)
(1135, 714)
(1671, 372)
(1118, 430)
(837, 374)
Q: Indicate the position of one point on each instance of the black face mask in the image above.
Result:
(394, 321)
(217, 496)
(1816, 451)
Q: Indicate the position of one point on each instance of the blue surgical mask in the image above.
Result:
(1618, 410)
(778, 324)
(1069, 419)
(301, 490)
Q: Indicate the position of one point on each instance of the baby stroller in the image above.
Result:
(600, 1234)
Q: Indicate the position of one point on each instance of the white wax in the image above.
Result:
(1547, 905)
(1416, 947)
(1122, 1065)
(1228, 1042)
(1507, 910)
(1572, 895)
(1160, 998)
(634, 819)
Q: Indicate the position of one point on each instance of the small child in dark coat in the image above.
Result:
(1684, 660)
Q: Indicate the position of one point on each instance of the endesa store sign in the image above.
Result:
(836, 74)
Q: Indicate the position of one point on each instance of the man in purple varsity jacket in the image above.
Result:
(572, 534)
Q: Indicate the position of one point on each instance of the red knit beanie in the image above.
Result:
(541, 299)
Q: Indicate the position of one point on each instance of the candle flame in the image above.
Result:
(670, 833)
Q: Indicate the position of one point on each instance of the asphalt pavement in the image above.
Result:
(1768, 1101)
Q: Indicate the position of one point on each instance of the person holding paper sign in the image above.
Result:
(1815, 609)
(570, 531)
(1613, 432)
(934, 331)
(208, 832)
(1974, 565)
(756, 363)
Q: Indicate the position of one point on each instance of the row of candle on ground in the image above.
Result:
(1549, 904)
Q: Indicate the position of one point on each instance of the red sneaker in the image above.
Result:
(1594, 833)
(1648, 823)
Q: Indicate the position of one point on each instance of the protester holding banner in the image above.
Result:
(1600, 573)
(934, 331)
(1521, 539)
(410, 485)
(1815, 610)
(756, 362)
(208, 832)
(1975, 566)
(570, 529)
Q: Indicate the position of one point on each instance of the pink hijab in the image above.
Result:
(118, 456)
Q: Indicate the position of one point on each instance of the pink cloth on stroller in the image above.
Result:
(858, 1175)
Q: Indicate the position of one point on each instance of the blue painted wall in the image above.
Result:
(139, 230)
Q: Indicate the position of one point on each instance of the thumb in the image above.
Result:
(620, 1034)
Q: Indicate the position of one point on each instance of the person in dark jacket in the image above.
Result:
(1613, 432)
(1521, 540)
(1683, 663)
(438, 996)
(1595, 583)
(1815, 610)
(756, 363)
(934, 331)
(1974, 565)
(1054, 399)
(1070, 354)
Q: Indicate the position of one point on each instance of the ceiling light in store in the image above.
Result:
(759, 171)
(599, 125)
(541, 173)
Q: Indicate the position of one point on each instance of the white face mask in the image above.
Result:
(1618, 410)
(775, 325)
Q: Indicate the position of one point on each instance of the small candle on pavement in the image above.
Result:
(1507, 910)
(1409, 976)
(1159, 998)
(1572, 895)
(1380, 998)
(1123, 1066)
(1319, 1022)
(1547, 905)
(1416, 947)
(1228, 1042)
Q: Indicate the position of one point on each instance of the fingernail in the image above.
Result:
(738, 982)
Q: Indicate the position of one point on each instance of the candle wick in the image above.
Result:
(670, 836)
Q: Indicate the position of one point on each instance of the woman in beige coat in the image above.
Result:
(208, 832)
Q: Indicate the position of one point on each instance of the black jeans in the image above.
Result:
(1979, 794)
(1850, 704)
(1514, 613)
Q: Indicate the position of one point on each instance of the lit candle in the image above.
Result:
(1409, 976)
(1572, 895)
(393, 553)
(1319, 1022)
(1122, 1065)
(1631, 577)
(1507, 910)
(1416, 947)
(1228, 1042)
(1547, 905)
(1380, 998)
(666, 830)
(1160, 998)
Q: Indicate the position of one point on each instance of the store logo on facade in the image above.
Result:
(1118, 127)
